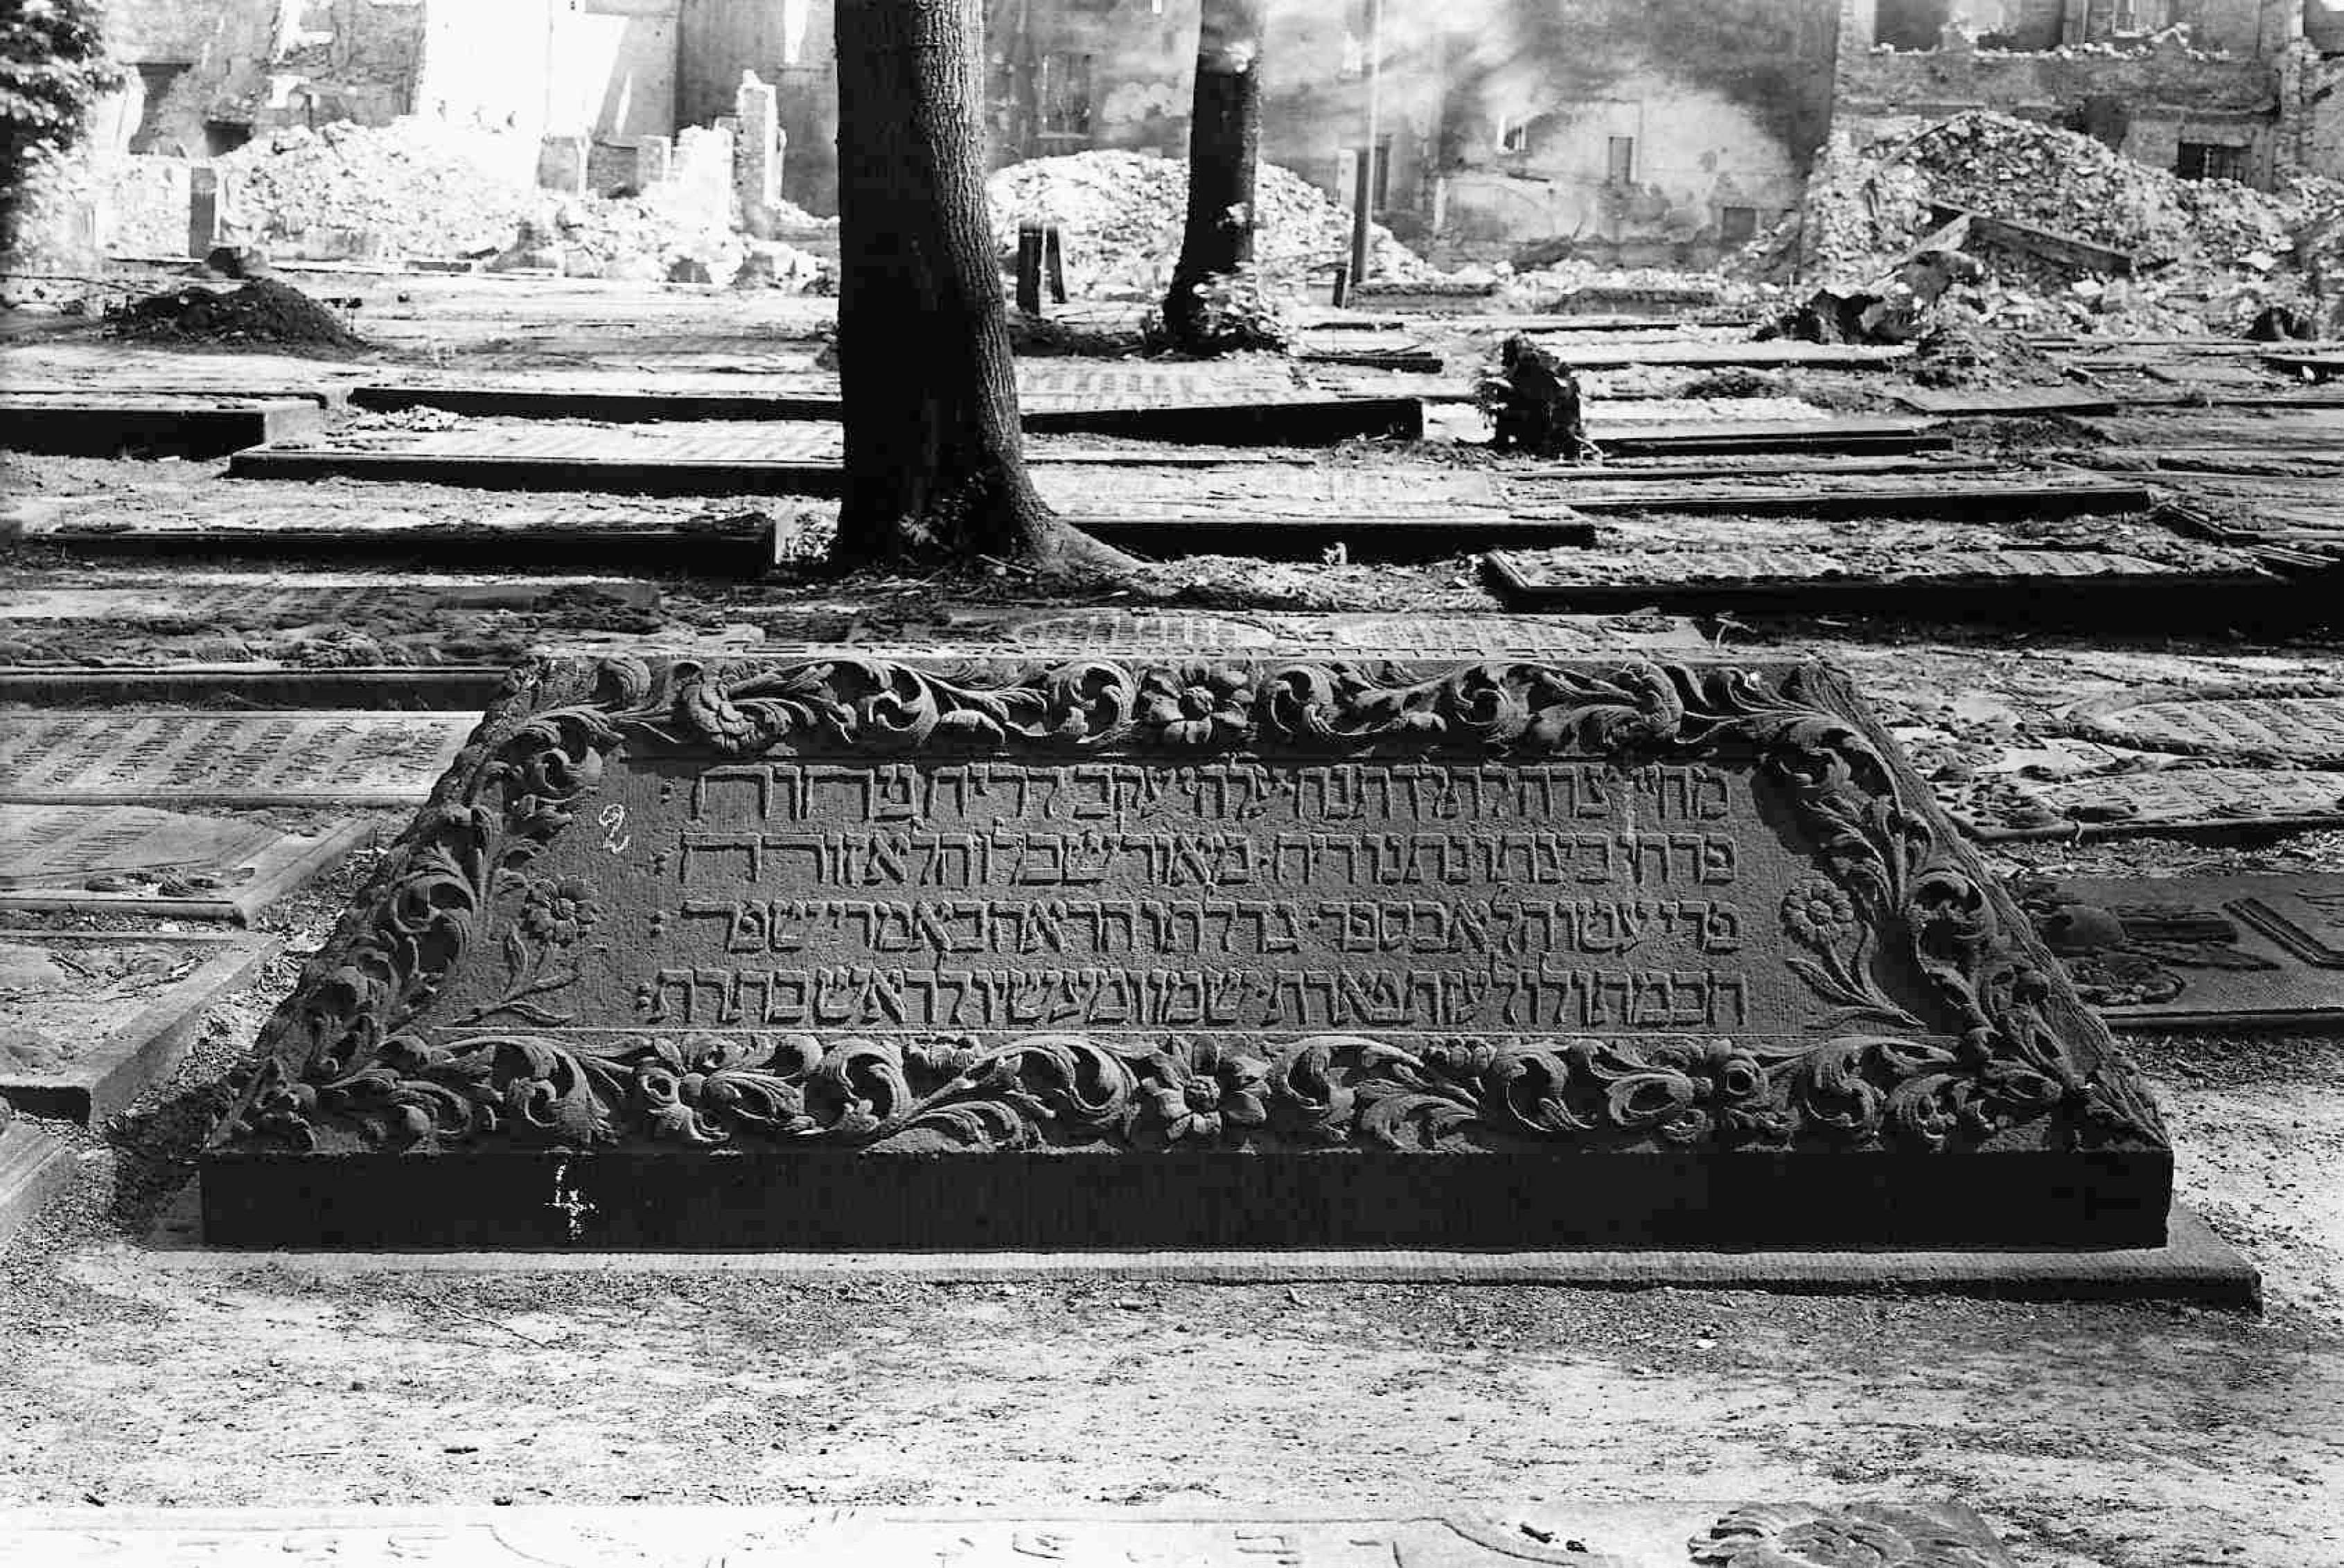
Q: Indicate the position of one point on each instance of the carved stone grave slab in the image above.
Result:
(2200, 952)
(1270, 491)
(318, 756)
(33, 1165)
(2297, 721)
(44, 846)
(129, 859)
(1235, 951)
(86, 1022)
(2009, 583)
(1690, 1534)
(1068, 633)
(243, 601)
(2174, 798)
(1137, 384)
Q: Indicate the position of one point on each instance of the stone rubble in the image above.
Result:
(1121, 214)
(2210, 255)
(418, 188)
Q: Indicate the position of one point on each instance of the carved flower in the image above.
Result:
(1196, 1105)
(1197, 706)
(559, 912)
(1816, 912)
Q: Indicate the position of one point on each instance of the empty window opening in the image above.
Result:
(155, 82)
(1063, 96)
(1514, 136)
(1737, 225)
(1346, 175)
(2205, 160)
(1910, 24)
(1620, 160)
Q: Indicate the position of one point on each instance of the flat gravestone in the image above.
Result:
(315, 757)
(1400, 635)
(1593, 579)
(793, 441)
(46, 845)
(1136, 385)
(2169, 799)
(128, 859)
(32, 1166)
(1693, 1534)
(1222, 950)
(1269, 491)
(86, 1022)
(2302, 723)
(249, 603)
(2200, 952)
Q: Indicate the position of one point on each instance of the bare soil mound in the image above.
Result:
(262, 310)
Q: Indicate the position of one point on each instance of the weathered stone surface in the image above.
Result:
(1173, 633)
(33, 1165)
(2200, 952)
(2295, 721)
(135, 860)
(107, 424)
(1929, 1534)
(64, 845)
(89, 1021)
(1135, 384)
(1334, 952)
(299, 758)
(247, 602)
(2171, 798)
(1268, 491)
(1536, 576)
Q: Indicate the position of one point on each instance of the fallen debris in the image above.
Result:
(2076, 237)
(1121, 214)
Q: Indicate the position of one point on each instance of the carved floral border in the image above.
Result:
(351, 1053)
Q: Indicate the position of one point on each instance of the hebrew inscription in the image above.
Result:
(50, 846)
(320, 755)
(2301, 724)
(1226, 894)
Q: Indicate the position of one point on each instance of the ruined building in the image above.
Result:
(1634, 131)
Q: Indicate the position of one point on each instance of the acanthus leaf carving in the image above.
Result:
(1885, 882)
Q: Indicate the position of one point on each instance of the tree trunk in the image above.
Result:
(1224, 144)
(935, 470)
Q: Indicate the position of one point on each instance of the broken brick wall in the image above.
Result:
(790, 44)
(209, 72)
(2315, 124)
(1645, 132)
(2147, 103)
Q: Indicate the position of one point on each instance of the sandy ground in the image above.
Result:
(2091, 1436)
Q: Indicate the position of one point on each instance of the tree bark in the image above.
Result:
(1224, 145)
(935, 472)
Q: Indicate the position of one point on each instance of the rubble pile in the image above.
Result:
(2015, 168)
(423, 188)
(645, 239)
(1122, 213)
(413, 187)
(262, 310)
(2206, 255)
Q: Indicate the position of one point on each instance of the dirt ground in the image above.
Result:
(2090, 1435)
